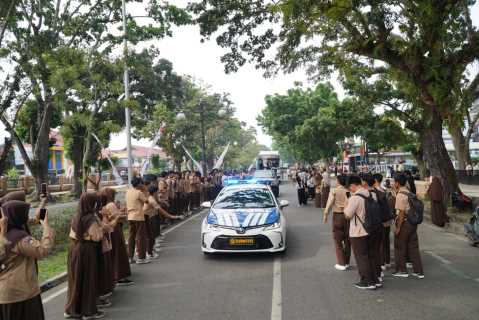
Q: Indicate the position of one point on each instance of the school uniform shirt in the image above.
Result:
(355, 206)
(163, 190)
(20, 281)
(135, 200)
(402, 202)
(151, 207)
(326, 179)
(337, 200)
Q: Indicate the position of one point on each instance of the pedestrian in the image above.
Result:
(20, 297)
(385, 245)
(318, 178)
(300, 187)
(150, 212)
(406, 241)
(411, 185)
(86, 234)
(362, 244)
(325, 187)
(119, 254)
(337, 200)
(435, 193)
(135, 199)
(311, 185)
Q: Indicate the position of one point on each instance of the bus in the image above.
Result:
(267, 160)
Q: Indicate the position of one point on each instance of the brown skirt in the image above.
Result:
(324, 196)
(317, 200)
(82, 278)
(119, 254)
(438, 213)
(105, 274)
(31, 309)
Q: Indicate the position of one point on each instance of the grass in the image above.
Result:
(53, 265)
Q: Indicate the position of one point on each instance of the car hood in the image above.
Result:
(243, 218)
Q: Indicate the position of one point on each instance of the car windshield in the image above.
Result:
(241, 199)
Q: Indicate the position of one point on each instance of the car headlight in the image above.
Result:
(273, 226)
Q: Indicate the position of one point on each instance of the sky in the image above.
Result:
(247, 87)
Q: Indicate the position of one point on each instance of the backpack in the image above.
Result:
(415, 213)
(372, 220)
(386, 213)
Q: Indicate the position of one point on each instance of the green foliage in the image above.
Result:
(12, 174)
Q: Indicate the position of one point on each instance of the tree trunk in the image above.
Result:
(421, 164)
(461, 147)
(77, 172)
(86, 158)
(4, 157)
(41, 151)
(435, 152)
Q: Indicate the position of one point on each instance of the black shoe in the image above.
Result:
(365, 286)
(124, 283)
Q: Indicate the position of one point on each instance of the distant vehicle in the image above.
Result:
(267, 160)
(244, 218)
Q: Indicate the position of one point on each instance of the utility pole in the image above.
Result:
(203, 138)
(126, 83)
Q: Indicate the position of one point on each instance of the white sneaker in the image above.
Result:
(383, 267)
(154, 256)
(418, 275)
(340, 267)
(142, 261)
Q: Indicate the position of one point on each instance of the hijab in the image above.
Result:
(109, 194)
(86, 214)
(435, 190)
(15, 195)
(17, 214)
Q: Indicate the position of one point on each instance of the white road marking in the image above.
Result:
(438, 257)
(53, 296)
(62, 291)
(276, 301)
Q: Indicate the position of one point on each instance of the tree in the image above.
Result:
(40, 28)
(423, 48)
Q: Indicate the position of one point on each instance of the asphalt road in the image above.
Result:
(298, 285)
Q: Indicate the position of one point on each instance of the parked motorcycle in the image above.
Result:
(472, 228)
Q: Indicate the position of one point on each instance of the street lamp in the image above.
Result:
(181, 116)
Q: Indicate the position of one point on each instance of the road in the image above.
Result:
(299, 285)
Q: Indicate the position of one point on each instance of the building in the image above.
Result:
(139, 155)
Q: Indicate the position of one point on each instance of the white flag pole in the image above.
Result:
(198, 166)
(221, 159)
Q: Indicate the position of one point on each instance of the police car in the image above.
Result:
(244, 218)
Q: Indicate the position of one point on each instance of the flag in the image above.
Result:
(220, 160)
(198, 166)
(118, 178)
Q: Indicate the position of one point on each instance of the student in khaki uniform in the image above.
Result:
(196, 189)
(384, 248)
(361, 243)
(20, 297)
(163, 190)
(318, 178)
(406, 241)
(135, 199)
(337, 201)
(325, 187)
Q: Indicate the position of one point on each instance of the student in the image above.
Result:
(86, 234)
(300, 187)
(435, 193)
(385, 245)
(337, 200)
(325, 187)
(361, 243)
(406, 242)
(119, 254)
(135, 199)
(20, 297)
(318, 178)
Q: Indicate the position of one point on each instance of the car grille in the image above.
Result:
(223, 243)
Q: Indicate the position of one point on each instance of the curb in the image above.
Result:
(62, 277)
(451, 227)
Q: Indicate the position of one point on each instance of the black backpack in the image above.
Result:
(372, 220)
(386, 212)
(415, 213)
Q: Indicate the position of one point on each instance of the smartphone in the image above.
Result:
(43, 213)
(44, 189)
(348, 194)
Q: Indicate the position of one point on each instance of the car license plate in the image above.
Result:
(241, 241)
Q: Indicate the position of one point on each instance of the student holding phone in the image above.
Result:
(19, 290)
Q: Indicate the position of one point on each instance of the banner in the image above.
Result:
(220, 160)
(198, 166)
(146, 161)
(118, 178)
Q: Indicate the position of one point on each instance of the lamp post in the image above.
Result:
(126, 83)
(181, 116)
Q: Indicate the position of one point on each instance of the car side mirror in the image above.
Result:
(283, 203)
(206, 204)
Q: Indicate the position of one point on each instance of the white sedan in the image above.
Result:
(244, 218)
